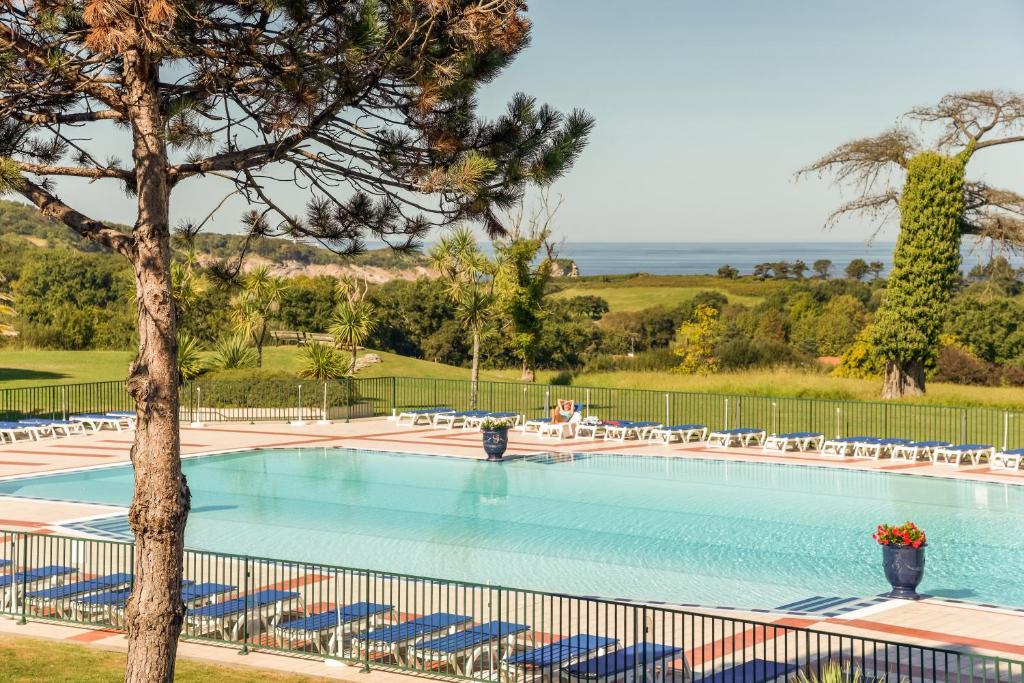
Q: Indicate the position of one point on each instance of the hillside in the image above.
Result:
(22, 225)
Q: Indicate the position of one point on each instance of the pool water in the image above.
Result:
(642, 527)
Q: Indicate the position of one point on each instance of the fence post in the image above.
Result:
(775, 417)
(839, 428)
(1006, 428)
(587, 406)
(245, 606)
(963, 425)
(547, 402)
(198, 423)
(394, 395)
(668, 410)
(726, 414)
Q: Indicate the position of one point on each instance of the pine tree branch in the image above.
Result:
(49, 205)
(94, 172)
(77, 117)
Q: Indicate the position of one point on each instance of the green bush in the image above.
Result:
(255, 388)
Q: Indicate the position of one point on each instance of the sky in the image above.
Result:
(706, 109)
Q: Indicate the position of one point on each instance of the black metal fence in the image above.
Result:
(454, 629)
(282, 399)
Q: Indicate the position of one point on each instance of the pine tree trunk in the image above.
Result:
(903, 379)
(474, 374)
(160, 500)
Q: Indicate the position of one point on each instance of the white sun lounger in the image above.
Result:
(873, 449)
(915, 450)
(97, 421)
(453, 420)
(681, 433)
(741, 435)
(624, 429)
(842, 446)
(10, 431)
(417, 416)
(802, 441)
(476, 421)
(561, 430)
(590, 428)
(1007, 460)
(954, 455)
(53, 427)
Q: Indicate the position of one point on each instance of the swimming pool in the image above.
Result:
(642, 527)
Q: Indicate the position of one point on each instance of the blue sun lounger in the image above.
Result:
(803, 441)
(413, 417)
(110, 604)
(11, 584)
(683, 433)
(59, 598)
(841, 446)
(11, 430)
(330, 625)
(463, 651)
(914, 450)
(876, 448)
(67, 427)
(547, 660)
(227, 618)
(640, 661)
(1007, 460)
(741, 435)
(393, 640)
(97, 421)
(456, 419)
(753, 671)
(954, 455)
(4, 563)
(475, 421)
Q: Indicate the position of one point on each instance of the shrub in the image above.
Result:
(190, 359)
(232, 352)
(959, 366)
(833, 672)
(256, 388)
(321, 362)
(562, 379)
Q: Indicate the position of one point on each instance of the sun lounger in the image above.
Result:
(457, 419)
(741, 435)
(682, 433)
(622, 430)
(802, 441)
(129, 416)
(394, 640)
(475, 421)
(108, 606)
(11, 585)
(12, 430)
(561, 430)
(954, 455)
(750, 671)
(842, 446)
(57, 600)
(52, 427)
(327, 629)
(533, 425)
(4, 563)
(590, 428)
(874, 449)
(640, 662)
(228, 618)
(546, 661)
(463, 651)
(97, 421)
(417, 416)
(1007, 460)
(915, 450)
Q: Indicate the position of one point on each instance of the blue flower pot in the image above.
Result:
(904, 569)
(495, 443)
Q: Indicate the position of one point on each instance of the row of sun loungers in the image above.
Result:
(36, 428)
(356, 630)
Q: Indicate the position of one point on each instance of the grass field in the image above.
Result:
(28, 660)
(36, 368)
(634, 293)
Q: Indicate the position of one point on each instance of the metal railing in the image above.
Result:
(453, 629)
(288, 400)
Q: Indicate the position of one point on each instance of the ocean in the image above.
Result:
(699, 258)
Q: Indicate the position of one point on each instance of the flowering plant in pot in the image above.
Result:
(903, 549)
(495, 435)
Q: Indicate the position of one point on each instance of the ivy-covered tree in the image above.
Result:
(937, 205)
(696, 341)
(369, 106)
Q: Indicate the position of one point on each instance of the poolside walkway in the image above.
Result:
(933, 621)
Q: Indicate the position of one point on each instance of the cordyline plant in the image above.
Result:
(906, 535)
(937, 205)
(366, 105)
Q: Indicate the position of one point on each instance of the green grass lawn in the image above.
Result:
(28, 660)
(36, 368)
(637, 292)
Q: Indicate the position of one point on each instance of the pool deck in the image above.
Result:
(952, 624)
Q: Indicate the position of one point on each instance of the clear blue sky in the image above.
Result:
(706, 108)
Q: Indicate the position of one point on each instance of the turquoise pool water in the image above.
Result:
(685, 531)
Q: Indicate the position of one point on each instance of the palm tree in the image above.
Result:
(355, 319)
(190, 359)
(469, 276)
(6, 311)
(256, 305)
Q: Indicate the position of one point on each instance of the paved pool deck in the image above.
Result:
(961, 626)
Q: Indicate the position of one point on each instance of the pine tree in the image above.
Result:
(937, 206)
(369, 105)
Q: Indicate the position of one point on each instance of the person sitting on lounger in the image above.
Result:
(563, 411)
